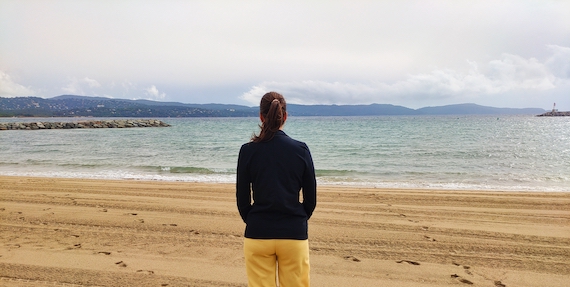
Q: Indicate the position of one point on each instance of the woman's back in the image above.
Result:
(278, 170)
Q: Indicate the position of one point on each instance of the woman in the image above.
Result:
(273, 169)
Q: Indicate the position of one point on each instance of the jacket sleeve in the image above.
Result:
(243, 186)
(309, 186)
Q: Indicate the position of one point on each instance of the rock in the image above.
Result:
(555, 114)
(83, 124)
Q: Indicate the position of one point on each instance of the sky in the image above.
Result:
(410, 53)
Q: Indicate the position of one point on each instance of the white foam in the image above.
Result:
(230, 178)
(125, 175)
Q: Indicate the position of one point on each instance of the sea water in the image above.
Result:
(444, 152)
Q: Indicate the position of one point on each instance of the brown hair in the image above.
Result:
(273, 109)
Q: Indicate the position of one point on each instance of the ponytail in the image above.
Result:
(273, 110)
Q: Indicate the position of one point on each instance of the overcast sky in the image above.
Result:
(410, 53)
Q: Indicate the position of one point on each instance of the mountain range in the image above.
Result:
(72, 106)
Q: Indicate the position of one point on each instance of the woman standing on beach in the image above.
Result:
(273, 169)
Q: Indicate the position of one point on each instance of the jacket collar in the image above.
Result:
(280, 133)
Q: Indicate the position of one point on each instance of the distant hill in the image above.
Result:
(348, 110)
(473, 109)
(72, 105)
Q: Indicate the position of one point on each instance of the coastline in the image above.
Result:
(227, 178)
(93, 232)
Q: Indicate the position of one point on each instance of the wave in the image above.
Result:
(335, 172)
(455, 180)
(186, 169)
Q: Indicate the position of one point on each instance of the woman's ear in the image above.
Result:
(285, 117)
(261, 118)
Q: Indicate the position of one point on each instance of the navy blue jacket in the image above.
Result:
(274, 173)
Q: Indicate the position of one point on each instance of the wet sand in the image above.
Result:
(77, 232)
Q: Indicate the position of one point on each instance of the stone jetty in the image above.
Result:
(555, 114)
(95, 124)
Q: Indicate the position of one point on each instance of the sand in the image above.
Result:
(77, 232)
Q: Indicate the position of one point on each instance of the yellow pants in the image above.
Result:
(266, 257)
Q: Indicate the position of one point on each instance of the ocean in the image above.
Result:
(466, 152)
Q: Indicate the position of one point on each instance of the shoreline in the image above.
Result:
(218, 179)
(149, 233)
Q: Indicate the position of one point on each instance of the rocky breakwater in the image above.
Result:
(555, 114)
(95, 124)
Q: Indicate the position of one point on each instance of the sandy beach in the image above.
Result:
(77, 232)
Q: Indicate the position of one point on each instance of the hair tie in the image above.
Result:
(275, 100)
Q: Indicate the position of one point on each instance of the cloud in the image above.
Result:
(559, 62)
(90, 87)
(255, 93)
(314, 92)
(510, 74)
(154, 94)
(73, 88)
(9, 88)
(514, 72)
(92, 83)
(79, 86)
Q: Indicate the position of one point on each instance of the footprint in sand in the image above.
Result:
(409, 262)
(462, 280)
(121, 264)
(499, 284)
(429, 238)
(149, 272)
(352, 258)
